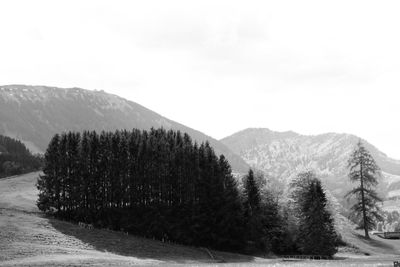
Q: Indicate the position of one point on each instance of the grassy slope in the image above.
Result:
(28, 238)
(375, 246)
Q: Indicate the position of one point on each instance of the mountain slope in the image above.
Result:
(15, 158)
(283, 154)
(34, 114)
(27, 238)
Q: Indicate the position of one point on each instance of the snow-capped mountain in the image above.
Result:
(33, 114)
(283, 154)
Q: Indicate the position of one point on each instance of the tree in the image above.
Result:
(252, 195)
(252, 210)
(317, 234)
(292, 215)
(229, 215)
(365, 170)
(261, 214)
(48, 183)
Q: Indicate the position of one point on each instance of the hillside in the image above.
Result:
(283, 154)
(15, 158)
(34, 114)
(27, 238)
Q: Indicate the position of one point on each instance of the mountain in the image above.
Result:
(283, 154)
(33, 114)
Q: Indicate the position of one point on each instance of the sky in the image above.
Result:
(220, 66)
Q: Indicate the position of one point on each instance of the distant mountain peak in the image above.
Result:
(265, 130)
(283, 154)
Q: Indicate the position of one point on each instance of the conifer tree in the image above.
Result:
(94, 180)
(252, 210)
(229, 219)
(252, 194)
(365, 171)
(85, 170)
(63, 172)
(48, 183)
(298, 188)
(103, 169)
(317, 234)
(74, 174)
(261, 214)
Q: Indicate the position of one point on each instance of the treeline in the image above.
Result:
(159, 184)
(15, 158)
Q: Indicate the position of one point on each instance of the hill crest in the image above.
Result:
(33, 114)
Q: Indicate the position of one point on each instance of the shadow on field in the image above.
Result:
(133, 246)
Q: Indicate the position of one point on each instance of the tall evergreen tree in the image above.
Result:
(252, 195)
(103, 168)
(63, 172)
(95, 183)
(74, 174)
(48, 183)
(365, 171)
(317, 234)
(252, 210)
(229, 223)
(85, 171)
(261, 214)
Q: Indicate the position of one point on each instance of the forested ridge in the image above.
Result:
(159, 184)
(15, 158)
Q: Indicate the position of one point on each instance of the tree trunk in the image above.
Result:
(363, 201)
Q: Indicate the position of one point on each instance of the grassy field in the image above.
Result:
(27, 238)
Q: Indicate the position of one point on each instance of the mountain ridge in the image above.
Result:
(283, 154)
(33, 114)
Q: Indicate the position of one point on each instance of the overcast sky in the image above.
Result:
(220, 66)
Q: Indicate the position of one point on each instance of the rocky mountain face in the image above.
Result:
(283, 154)
(33, 114)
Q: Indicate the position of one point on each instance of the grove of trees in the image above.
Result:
(15, 158)
(160, 184)
(157, 184)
